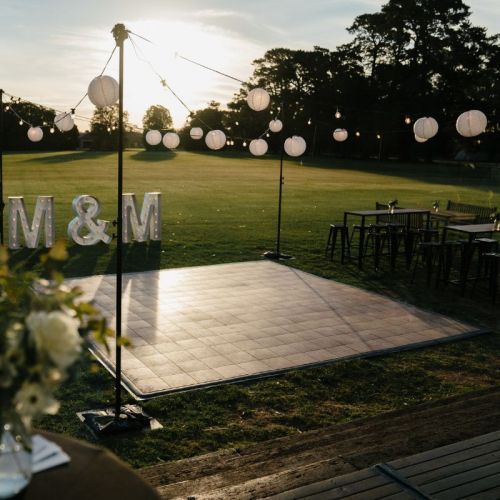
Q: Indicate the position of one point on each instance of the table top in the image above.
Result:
(472, 228)
(397, 211)
(93, 474)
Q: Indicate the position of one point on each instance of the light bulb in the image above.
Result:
(309, 121)
(357, 134)
(236, 123)
(379, 136)
(244, 144)
(337, 114)
(407, 120)
(109, 129)
(267, 135)
(7, 107)
(20, 122)
(51, 130)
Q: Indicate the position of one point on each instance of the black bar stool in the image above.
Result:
(332, 240)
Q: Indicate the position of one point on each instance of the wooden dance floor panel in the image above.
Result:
(202, 326)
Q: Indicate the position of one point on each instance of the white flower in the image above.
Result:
(33, 399)
(56, 333)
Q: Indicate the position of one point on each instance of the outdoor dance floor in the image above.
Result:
(201, 326)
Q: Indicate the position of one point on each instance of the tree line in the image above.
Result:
(412, 58)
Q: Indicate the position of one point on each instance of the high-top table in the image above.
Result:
(364, 214)
(472, 231)
(93, 474)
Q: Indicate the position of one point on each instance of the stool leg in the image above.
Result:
(334, 241)
(417, 257)
(466, 261)
(342, 242)
(328, 243)
(494, 280)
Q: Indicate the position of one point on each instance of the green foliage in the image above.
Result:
(15, 136)
(104, 127)
(211, 117)
(411, 58)
(156, 117)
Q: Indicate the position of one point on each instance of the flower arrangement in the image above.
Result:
(43, 327)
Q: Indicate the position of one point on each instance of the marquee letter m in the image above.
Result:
(44, 216)
(148, 225)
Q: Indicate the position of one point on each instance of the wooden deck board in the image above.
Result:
(468, 468)
(467, 483)
(463, 460)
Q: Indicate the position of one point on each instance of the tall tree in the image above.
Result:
(104, 127)
(156, 117)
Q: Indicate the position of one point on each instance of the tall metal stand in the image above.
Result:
(120, 34)
(277, 255)
(129, 417)
(2, 204)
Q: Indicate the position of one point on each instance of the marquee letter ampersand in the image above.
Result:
(87, 209)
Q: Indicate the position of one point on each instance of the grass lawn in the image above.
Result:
(222, 208)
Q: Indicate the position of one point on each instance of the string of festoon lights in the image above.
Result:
(103, 91)
(469, 124)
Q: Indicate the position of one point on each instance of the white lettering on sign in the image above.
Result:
(44, 216)
(145, 227)
(85, 229)
(87, 208)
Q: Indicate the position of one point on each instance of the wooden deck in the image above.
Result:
(464, 470)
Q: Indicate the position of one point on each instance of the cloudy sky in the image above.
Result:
(51, 49)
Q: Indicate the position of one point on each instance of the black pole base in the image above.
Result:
(272, 255)
(131, 419)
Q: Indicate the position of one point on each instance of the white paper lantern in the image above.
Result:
(64, 122)
(340, 134)
(275, 125)
(258, 147)
(171, 140)
(196, 133)
(103, 91)
(153, 137)
(471, 123)
(295, 145)
(420, 139)
(215, 139)
(258, 99)
(426, 127)
(35, 134)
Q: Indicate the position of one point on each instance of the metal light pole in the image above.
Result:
(2, 204)
(277, 255)
(120, 34)
(128, 417)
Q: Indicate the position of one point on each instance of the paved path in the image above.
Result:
(208, 325)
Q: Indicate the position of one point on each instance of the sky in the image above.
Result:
(51, 49)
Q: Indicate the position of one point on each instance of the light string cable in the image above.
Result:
(209, 68)
(18, 100)
(232, 78)
(329, 104)
(140, 55)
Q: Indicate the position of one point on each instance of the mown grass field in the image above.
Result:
(222, 208)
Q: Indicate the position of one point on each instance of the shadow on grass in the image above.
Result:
(153, 156)
(465, 174)
(68, 156)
